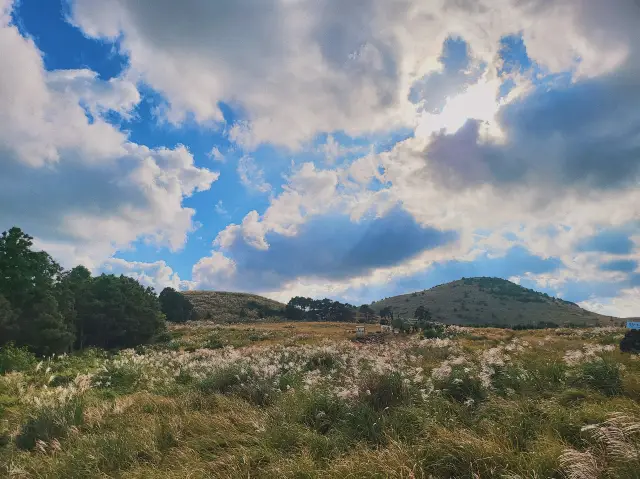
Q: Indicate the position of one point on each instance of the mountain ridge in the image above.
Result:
(495, 301)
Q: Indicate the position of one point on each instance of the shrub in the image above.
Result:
(322, 412)
(631, 342)
(385, 390)
(364, 423)
(175, 306)
(572, 397)
(325, 362)
(224, 380)
(50, 422)
(16, 359)
(462, 385)
(259, 393)
(603, 375)
(123, 377)
(214, 342)
(509, 378)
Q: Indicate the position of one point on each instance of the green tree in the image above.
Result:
(422, 314)
(8, 324)
(367, 312)
(75, 299)
(27, 282)
(123, 313)
(176, 307)
(387, 313)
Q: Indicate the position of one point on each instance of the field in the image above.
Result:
(303, 400)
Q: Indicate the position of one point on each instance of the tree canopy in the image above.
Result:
(175, 306)
(307, 309)
(50, 310)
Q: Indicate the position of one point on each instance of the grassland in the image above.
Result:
(231, 307)
(303, 401)
(495, 301)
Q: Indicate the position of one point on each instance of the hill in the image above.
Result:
(221, 306)
(492, 301)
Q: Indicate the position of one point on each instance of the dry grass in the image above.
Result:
(223, 306)
(301, 402)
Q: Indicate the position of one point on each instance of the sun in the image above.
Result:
(477, 102)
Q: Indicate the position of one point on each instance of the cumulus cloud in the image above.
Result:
(252, 176)
(299, 68)
(157, 275)
(546, 177)
(329, 247)
(71, 179)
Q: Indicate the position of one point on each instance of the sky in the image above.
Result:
(352, 150)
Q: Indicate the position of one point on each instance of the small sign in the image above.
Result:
(633, 324)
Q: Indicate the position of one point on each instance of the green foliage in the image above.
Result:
(367, 311)
(124, 314)
(308, 309)
(29, 313)
(175, 306)
(385, 390)
(323, 412)
(461, 385)
(323, 361)
(223, 380)
(214, 342)
(387, 313)
(603, 375)
(50, 422)
(16, 359)
(50, 310)
(631, 342)
(431, 330)
(422, 314)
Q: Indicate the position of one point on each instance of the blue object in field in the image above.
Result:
(633, 324)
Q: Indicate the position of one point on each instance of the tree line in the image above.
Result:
(50, 310)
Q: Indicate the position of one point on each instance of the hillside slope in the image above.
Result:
(492, 301)
(221, 306)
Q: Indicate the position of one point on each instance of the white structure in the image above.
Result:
(385, 328)
(360, 332)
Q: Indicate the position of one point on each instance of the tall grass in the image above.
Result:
(511, 407)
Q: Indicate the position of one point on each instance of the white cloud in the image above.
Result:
(213, 271)
(79, 186)
(625, 305)
(157, 275)
(303, 67)
(220, 209)
(216, 155)
(252, 176)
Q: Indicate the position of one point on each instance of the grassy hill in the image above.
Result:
(223, 307)
(492, 301)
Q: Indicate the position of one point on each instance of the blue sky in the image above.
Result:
(349, 150)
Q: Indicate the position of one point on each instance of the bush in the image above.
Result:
(50, 422)
(16, 359)
(224, 380)
(603, 375)
(631, 342)
(175, 306)
(325, 362)
(323, 412)
(385, 390)
(462, 386)
(214, 342)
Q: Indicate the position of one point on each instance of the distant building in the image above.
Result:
(385, 328)
(360, 332)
